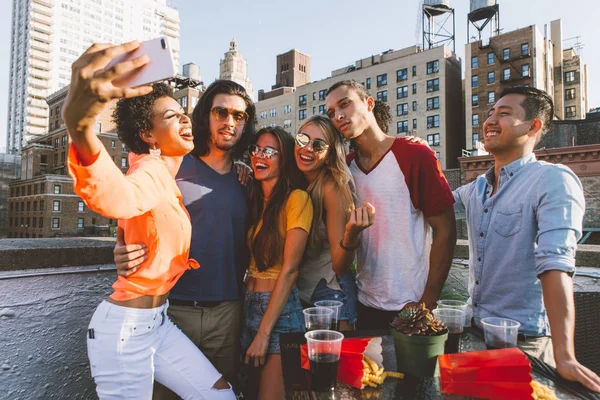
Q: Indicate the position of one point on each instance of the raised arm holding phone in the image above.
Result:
(131, 341)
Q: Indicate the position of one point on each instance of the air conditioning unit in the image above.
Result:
(429, 108)
(429, 126)
(436, 70)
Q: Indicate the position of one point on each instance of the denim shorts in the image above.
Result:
(347, 296)
(290, 320)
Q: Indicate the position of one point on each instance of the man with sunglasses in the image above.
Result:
(206, 303)
(398, 263)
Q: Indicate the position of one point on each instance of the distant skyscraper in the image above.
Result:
(49, 35)
(293, 69)
(234, 68)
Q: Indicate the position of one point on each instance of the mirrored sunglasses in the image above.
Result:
(264, 152)
(318, 145)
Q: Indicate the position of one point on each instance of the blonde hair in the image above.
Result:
(334, 170)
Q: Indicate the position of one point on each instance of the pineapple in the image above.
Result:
(417, 320)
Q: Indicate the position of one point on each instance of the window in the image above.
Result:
(506, 74)
(81, 206)
(474, 62)
(41, 205)
(64, 141)
(570, 111)
(433, 67)
(314, 110)
(273, 112)
(475, 140)
(474, 81)
(56, 189)
(29, 190)
(41, 222)
(437, 155)
(414, 70)
(56, 205)
(433, 103)
(34, 222)
(491, 97)
(322, 94)
(368, 83)
(35, 189)
(322, 109)
(524, 70)
(570, 94)
(402, 92)
(55, 223)
(314, 96)
(56, 142)
(302, 114)
(474, 100)
(414, 88)
(570, 76)
(302, 100)
(113, 144)
(382, 96)
(381, 80)
(34, 205)
(42, 187)
(414, 123)
(402, 126)
(475, 120)
(506, 54)
(401, 75)
(433, 140)
(62, 157)
(490, 58)
(80, 223)
(123, 148)
(414, 106)
(98, 127)
(287, 123)
(433, 85)
(525, 50)
(402, 109)
(287, 109)
(433, 121)
(491, 77)
(123, 162)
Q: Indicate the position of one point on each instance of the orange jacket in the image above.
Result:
(149, 207)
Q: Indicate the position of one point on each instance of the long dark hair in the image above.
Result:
(201, 117)
(267, 245)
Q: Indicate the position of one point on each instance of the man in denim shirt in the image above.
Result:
(524, 218)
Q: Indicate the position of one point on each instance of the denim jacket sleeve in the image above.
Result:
(560, 208)
(460, 211)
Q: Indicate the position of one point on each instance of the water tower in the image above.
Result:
(438, 24)
(484, 13)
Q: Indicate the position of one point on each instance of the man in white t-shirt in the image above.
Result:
(397, 261)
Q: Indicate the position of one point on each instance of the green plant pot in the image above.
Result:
(417, 355)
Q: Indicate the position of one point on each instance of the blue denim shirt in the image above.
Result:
(531, 225)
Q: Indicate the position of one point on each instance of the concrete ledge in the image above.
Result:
(23, 254)
(588, 255)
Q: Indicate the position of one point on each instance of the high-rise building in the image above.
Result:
(422, 97)
(49, 35)
(293, 69)
(233, 67)
(523, 57)
(10, 169)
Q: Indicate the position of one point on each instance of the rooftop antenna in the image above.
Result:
(578, 45)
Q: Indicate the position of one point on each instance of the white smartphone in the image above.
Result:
(160, 67)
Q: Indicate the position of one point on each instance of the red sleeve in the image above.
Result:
(428, 187)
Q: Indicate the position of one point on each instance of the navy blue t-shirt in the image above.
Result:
(218, 210)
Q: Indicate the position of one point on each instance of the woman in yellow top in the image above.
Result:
(280, 220)
(131, 341)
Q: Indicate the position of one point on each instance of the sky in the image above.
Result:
(334, 34)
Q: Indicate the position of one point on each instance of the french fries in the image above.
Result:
(542, 392)
(374, 375)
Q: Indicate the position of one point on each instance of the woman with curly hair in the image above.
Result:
(280, 219)
(336, 226)
(131, 341)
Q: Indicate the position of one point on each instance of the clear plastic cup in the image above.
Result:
(324, 348)
(500, 332)
(457, 305)
(335, 306)
(453, 319)
(317, 318)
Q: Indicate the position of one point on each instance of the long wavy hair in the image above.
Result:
(267, 245)
(334, 170)
(201, 117)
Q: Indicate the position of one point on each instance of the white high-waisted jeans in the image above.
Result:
(129, 348)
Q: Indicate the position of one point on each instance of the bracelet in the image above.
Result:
(352, 248)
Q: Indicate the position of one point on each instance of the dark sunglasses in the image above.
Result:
(221, 113)
(318, 145)
(264, 152)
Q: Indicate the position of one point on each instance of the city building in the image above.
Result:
(421, 88)
(233, 67)
(293, 69)
(523, 57)
(49, 35)
(10, 169)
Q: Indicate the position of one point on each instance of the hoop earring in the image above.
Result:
(154, 151)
